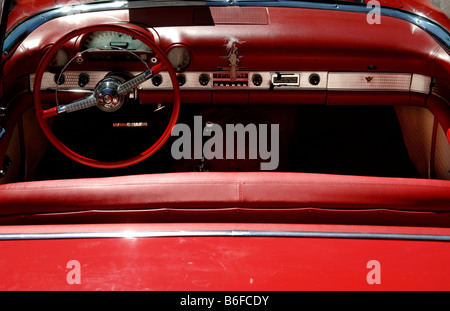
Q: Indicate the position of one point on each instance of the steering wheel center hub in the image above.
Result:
(106, 92)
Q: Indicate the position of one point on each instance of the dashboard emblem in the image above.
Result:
(233, 56)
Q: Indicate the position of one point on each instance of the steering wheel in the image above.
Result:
(108, 94)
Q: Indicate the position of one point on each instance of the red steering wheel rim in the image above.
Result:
(42, 115)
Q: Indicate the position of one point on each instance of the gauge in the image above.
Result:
(179, 57)
(59, 60)
(112, 40)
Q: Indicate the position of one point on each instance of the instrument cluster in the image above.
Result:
(111, 46)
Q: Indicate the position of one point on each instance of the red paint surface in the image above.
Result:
(226, 263)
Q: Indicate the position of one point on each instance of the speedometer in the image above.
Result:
(112, 40)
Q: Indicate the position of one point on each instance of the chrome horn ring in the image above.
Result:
(107, 94)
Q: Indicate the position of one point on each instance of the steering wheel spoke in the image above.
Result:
(134, 82)
(128, 86)
(84, 103)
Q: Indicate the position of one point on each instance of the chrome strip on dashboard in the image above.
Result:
(369, 81)
(421, 84)
(333, 81)
(223, 233)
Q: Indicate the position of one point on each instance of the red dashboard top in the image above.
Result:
(279, 39)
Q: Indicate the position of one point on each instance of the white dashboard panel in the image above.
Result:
(322, 80)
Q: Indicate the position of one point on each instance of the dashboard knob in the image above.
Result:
(157, 80)
(83, 79)
(203, 79)
(181, 80)
(314, 79)
(257, 80)
(60, 79)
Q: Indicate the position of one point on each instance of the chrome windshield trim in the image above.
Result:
(21, 31)
(223, 233)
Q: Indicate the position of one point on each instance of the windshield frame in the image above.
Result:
(4, 7)
(22, 29)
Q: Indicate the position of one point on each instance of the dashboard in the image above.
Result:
(261, 55)
(104, 48)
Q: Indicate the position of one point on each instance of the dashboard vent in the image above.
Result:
(234, 16)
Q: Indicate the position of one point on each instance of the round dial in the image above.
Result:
(112, 40)
(59, 60)
(179, 57)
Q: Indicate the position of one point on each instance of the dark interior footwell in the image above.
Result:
(348, 140)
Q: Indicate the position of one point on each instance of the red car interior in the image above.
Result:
(364, 134)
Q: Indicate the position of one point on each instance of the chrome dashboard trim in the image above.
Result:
(421, 84)
(222, 233)
(331, 81)
(369, 81)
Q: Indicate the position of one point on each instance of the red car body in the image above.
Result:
(232, 229)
